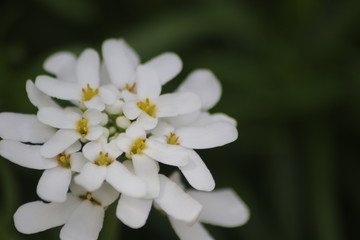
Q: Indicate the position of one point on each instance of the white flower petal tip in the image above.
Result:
(53, 184)
(205, 84)
(197, 173)
(176, 203)
(38, 216)
(120, 62)
(87, 69)
(133, 212)
(57, 88)
(222, 208)
(166, 65)
(59, 63)
(24, 128)
(25, 155)
(38, 98)
(207, 136)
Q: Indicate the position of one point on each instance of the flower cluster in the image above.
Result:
(108, 141)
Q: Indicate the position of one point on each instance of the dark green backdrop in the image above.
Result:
(291, 77)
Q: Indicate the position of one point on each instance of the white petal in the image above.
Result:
(60, 63)
(85, 223)
(58, 89)
(147, 169)
(136, 131)
(206, 118)
(94, 133)
(133, 212)
(204, 84)
(74, 148)
(197, 174)
(131, 110)
(176, 178)
(115, 108)
(165, 153)
(107, 95)
(106, 195)
(38, 216)
(38, 98)
(92, 151)
(174, 104)
(95, 103)
(148, 84)
(54, 184)
(93, 116)
(124, 142)
(184, 120)
(24, 128)
(146, 121)
(186, 232)
(58, 118)
(176, 203)
(77, 190)
(162, 129)
(58, 143)
(91, 176)
(207, 136)
(120, 66)
(222, 207)
(112, 149)
(77, 161)
(124, 181)
(88, 68)
(25, 155)
(132, 55)
(166, 65)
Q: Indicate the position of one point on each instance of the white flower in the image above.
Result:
(144, 152)
(209, 97)
(134, 212)
(54, 182)
(122, 61)
(81, 214)
(103, 166)
(149, 105)
(73, 125)
(187, 138)
(222, 208)
(86, 90)
(24, 128)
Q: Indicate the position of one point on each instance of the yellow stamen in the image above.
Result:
(137, 147)
(64, 160)
(89, 93)
(130, 88)
(104, 159)
(89, 196)
(82, 127)
(147, 107)
(173, 139)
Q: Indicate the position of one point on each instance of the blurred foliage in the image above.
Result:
(291, 77)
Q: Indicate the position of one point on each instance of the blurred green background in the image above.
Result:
(290, 72)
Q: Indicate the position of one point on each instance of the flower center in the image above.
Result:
(147, 107)
(89, 93)
(104, 159)
(64, 160)
(82, 127)
(130, 88)
(173, 139)
(89, 196)
(137, 147)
